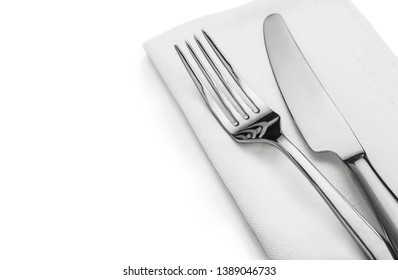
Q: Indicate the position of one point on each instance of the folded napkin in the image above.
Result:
(359, 72)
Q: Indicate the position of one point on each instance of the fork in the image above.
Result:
(249, 120)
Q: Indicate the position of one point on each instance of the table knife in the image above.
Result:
(320, 122)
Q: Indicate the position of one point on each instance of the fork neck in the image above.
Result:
(267, 128)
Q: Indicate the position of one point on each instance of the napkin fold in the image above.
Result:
(360, 74)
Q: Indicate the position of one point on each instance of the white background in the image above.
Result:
(98, 168)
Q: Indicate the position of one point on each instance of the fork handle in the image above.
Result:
(382, 198)
(369, 240)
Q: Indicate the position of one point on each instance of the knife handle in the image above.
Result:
(384, 201)
(368, 239)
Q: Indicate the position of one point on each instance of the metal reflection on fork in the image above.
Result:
(248, 120)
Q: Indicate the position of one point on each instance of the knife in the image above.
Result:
(320, 122)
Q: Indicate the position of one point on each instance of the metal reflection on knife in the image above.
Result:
(320, 122)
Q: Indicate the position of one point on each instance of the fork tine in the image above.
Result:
(220, 94)
(238, 100)
(248, 92)
(192, 72)
(214, 107)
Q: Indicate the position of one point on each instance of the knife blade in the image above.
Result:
(319, 121)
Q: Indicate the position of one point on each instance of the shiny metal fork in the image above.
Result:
(248, 120)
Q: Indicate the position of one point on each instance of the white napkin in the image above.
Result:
(360, 73)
